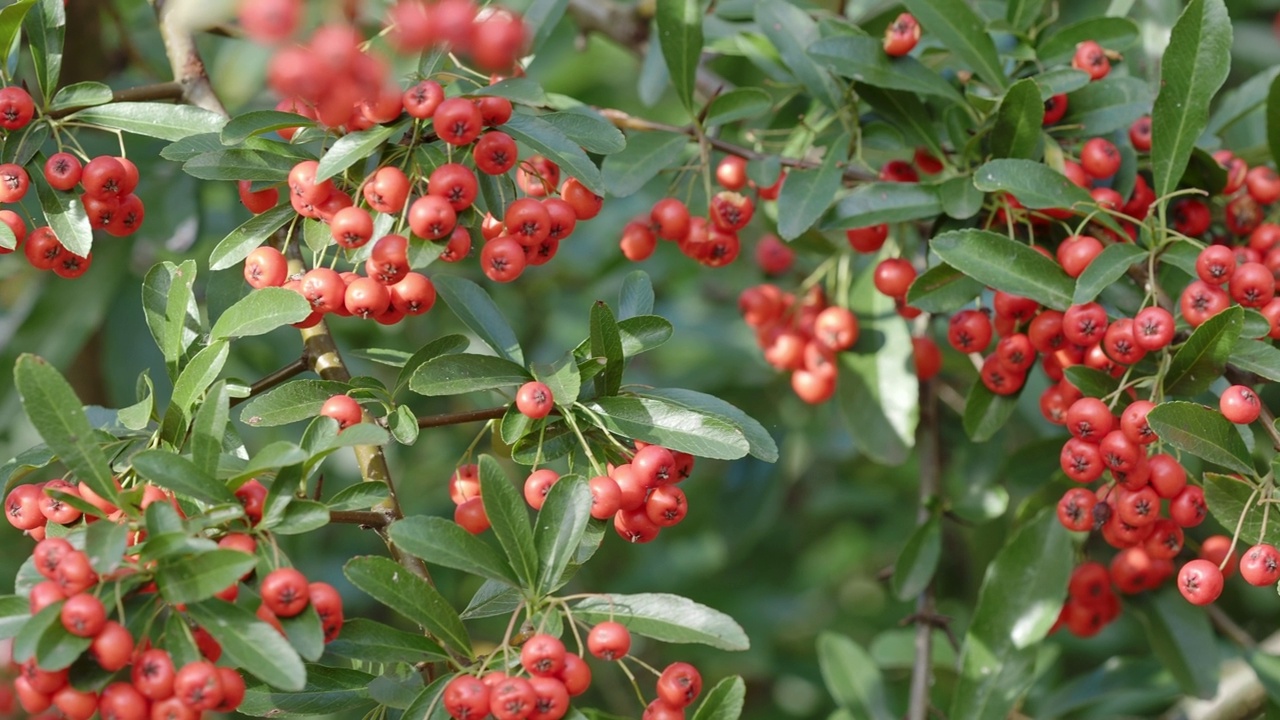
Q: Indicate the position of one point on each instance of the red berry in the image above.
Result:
(1099, 158)
(609, 640)
(466, 698)
(344, 409)
(534, 399)
(679, 685)
(1200, 582)
(1260, 565)
(285, 592)
(1240, 404)
(902, 35)
(1091, 58)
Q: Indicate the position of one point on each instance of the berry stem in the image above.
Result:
(1235, 536)
(586, 448)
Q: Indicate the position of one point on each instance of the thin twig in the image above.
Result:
(292, 370)
(366, 518)
(461, 418)
(928, 444)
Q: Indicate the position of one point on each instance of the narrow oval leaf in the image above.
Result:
(680, 34)
(1202, 357)
(1017, 132)
(1107, 105)
(668, 618)
(251, 644)
(153, 119)
(355, 147)
(66, 216)
(884, 202)
(670, 425)
(761, 442)
(943, 288)
(260, 312)
(724, 701)
(190, 579)
(636, 296)
(509, 517)
(240, 164)
(476, 310)
(547, 140)
(1191, 71)
(1227, 497)
(852, 677)
(646, 155)
(863, 59)
(256, 122)
(1273, 119)
(1182, 637)
(792, 32)
(237, 245)
(290, 402)
(919, 559)
(1034, 184)
(1203, 432)
(587, 128)
(1006, 264)
(327, 691)
(1109, 266)
(169, 303)
(1093, 383)
(558, 531)
(963, 32)
(456, 374)
(985, 412)
(905, 112)
(1260, 358)
(363, 639)
(394, 586)
(78, 95)
(180, 475)
(737, 104)
(808, 193)
(1112, 33)
(443, 542)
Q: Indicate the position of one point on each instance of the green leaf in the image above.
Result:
(443, 542)
(606, 342)
(15, 610)
(138, 415)
(392, 585)
(449, 344)
(24, 643)
(735, 105)
(1242, 100)
(260, 312)
(541, 18)
(643, 333)
(547, 140)
(237, 245)
(327, 691)
(758, 438)
(371, 641)
(476, 310)
(961, 31)
(1034, 184)
(498, 192)
(636, 296)
(877, 388)
(209, 427)
(509, 517)
(1005, 264)
(1061, 80)
(1022, 14)
(361, 496)
(11, 18)
(251, 644)
(1181, 636)
(168, 301)
(852, 677)
(1202, 357)
(1273, 119)
(1112, 33)
(256, 122)
(152, 119)
(456, 374)
(587, 128)
(646, 155)
(559, 529)
(105, 544)
(943, 288)
(680, 32)
(44, 29)
(671, 425)
(562, 378)
(906, 112)
(278, 454)
(57, 648)
(305, 633)
(1260, 358)
(792, 33)
(724, 701)
(884, 202)
(66, 216)
(1202, 432)
(1191, 71)
(240, 164)
(1108, 267)
(290, 402)
(985, 412)
(667, 618)
(998, 656)
(918, 561)
(1227, 497)
(57, 415)
(81, 94)
(863, 59)
(355, 147)
(1017, 132)
(189, 579)
(1091, 382)
(176, 473)
(195, 378)
(807, 194)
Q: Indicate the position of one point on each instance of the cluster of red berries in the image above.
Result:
(555, 675)
(1093, 59)
(712, 241)
(1091, 604)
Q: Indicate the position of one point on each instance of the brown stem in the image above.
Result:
(460, 418)
(927, 441)
(366, 518)
(624, 121)
(292, 370)
(141, 93)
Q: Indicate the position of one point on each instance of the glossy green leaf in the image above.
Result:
(680, 30)
(191, 384)
(15, 610)
(1060, 80)
(1192, 70)
(66, 216)
(290, 402)
(943, 288)
(587, 128)
(1022, 14)
(760, 442)
(509, 517)
(559, 528)
(152, 119)
(1227, 497)
(963, 32)
(1202, 432)
(1242, 100)
(209, 427)
(636, 296)
(1108, 267)
(998, 656)
(807, 194)
(643, 333)
(57, 415)
(725, 701)
(605, 342)
(24, 643)
(1181, 636)
(1202, 357)
(443, 542)
(169, 303)
(237, 245)
(327, 690)
(78, 95)
(305, 633)
(1257, 357)
(447, 345)
(735, 105)
(884, 202)
(240, 164)
(355, 147)
(1005, 264)
(189, 579)
(1017, 131)
(1273, 119)
(176, 473)
(862, 58)
(11, 18)
(391, 584)
(251, 644)
(44, 28)
(1091, 382)
(363, 639)
(667, 618)
(671, 425)
(545, 139)
(256, 122)
(852, 677)
(1034, 184)
(260, 312)
(476, 310)
(1107, 105)
(985, 412)
(455, 374)
(105, 542)
(907, 113)
(918, 560)
(646, 155)
(792, 33)
(1112, 33)
(57, 648)
(361, 496)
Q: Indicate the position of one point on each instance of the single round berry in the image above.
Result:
(1240, 404)
(542, 655)
(285, 592)
(342, 408)
(534, 400)
(901, 36)
(609, 640)
(1200, 582)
